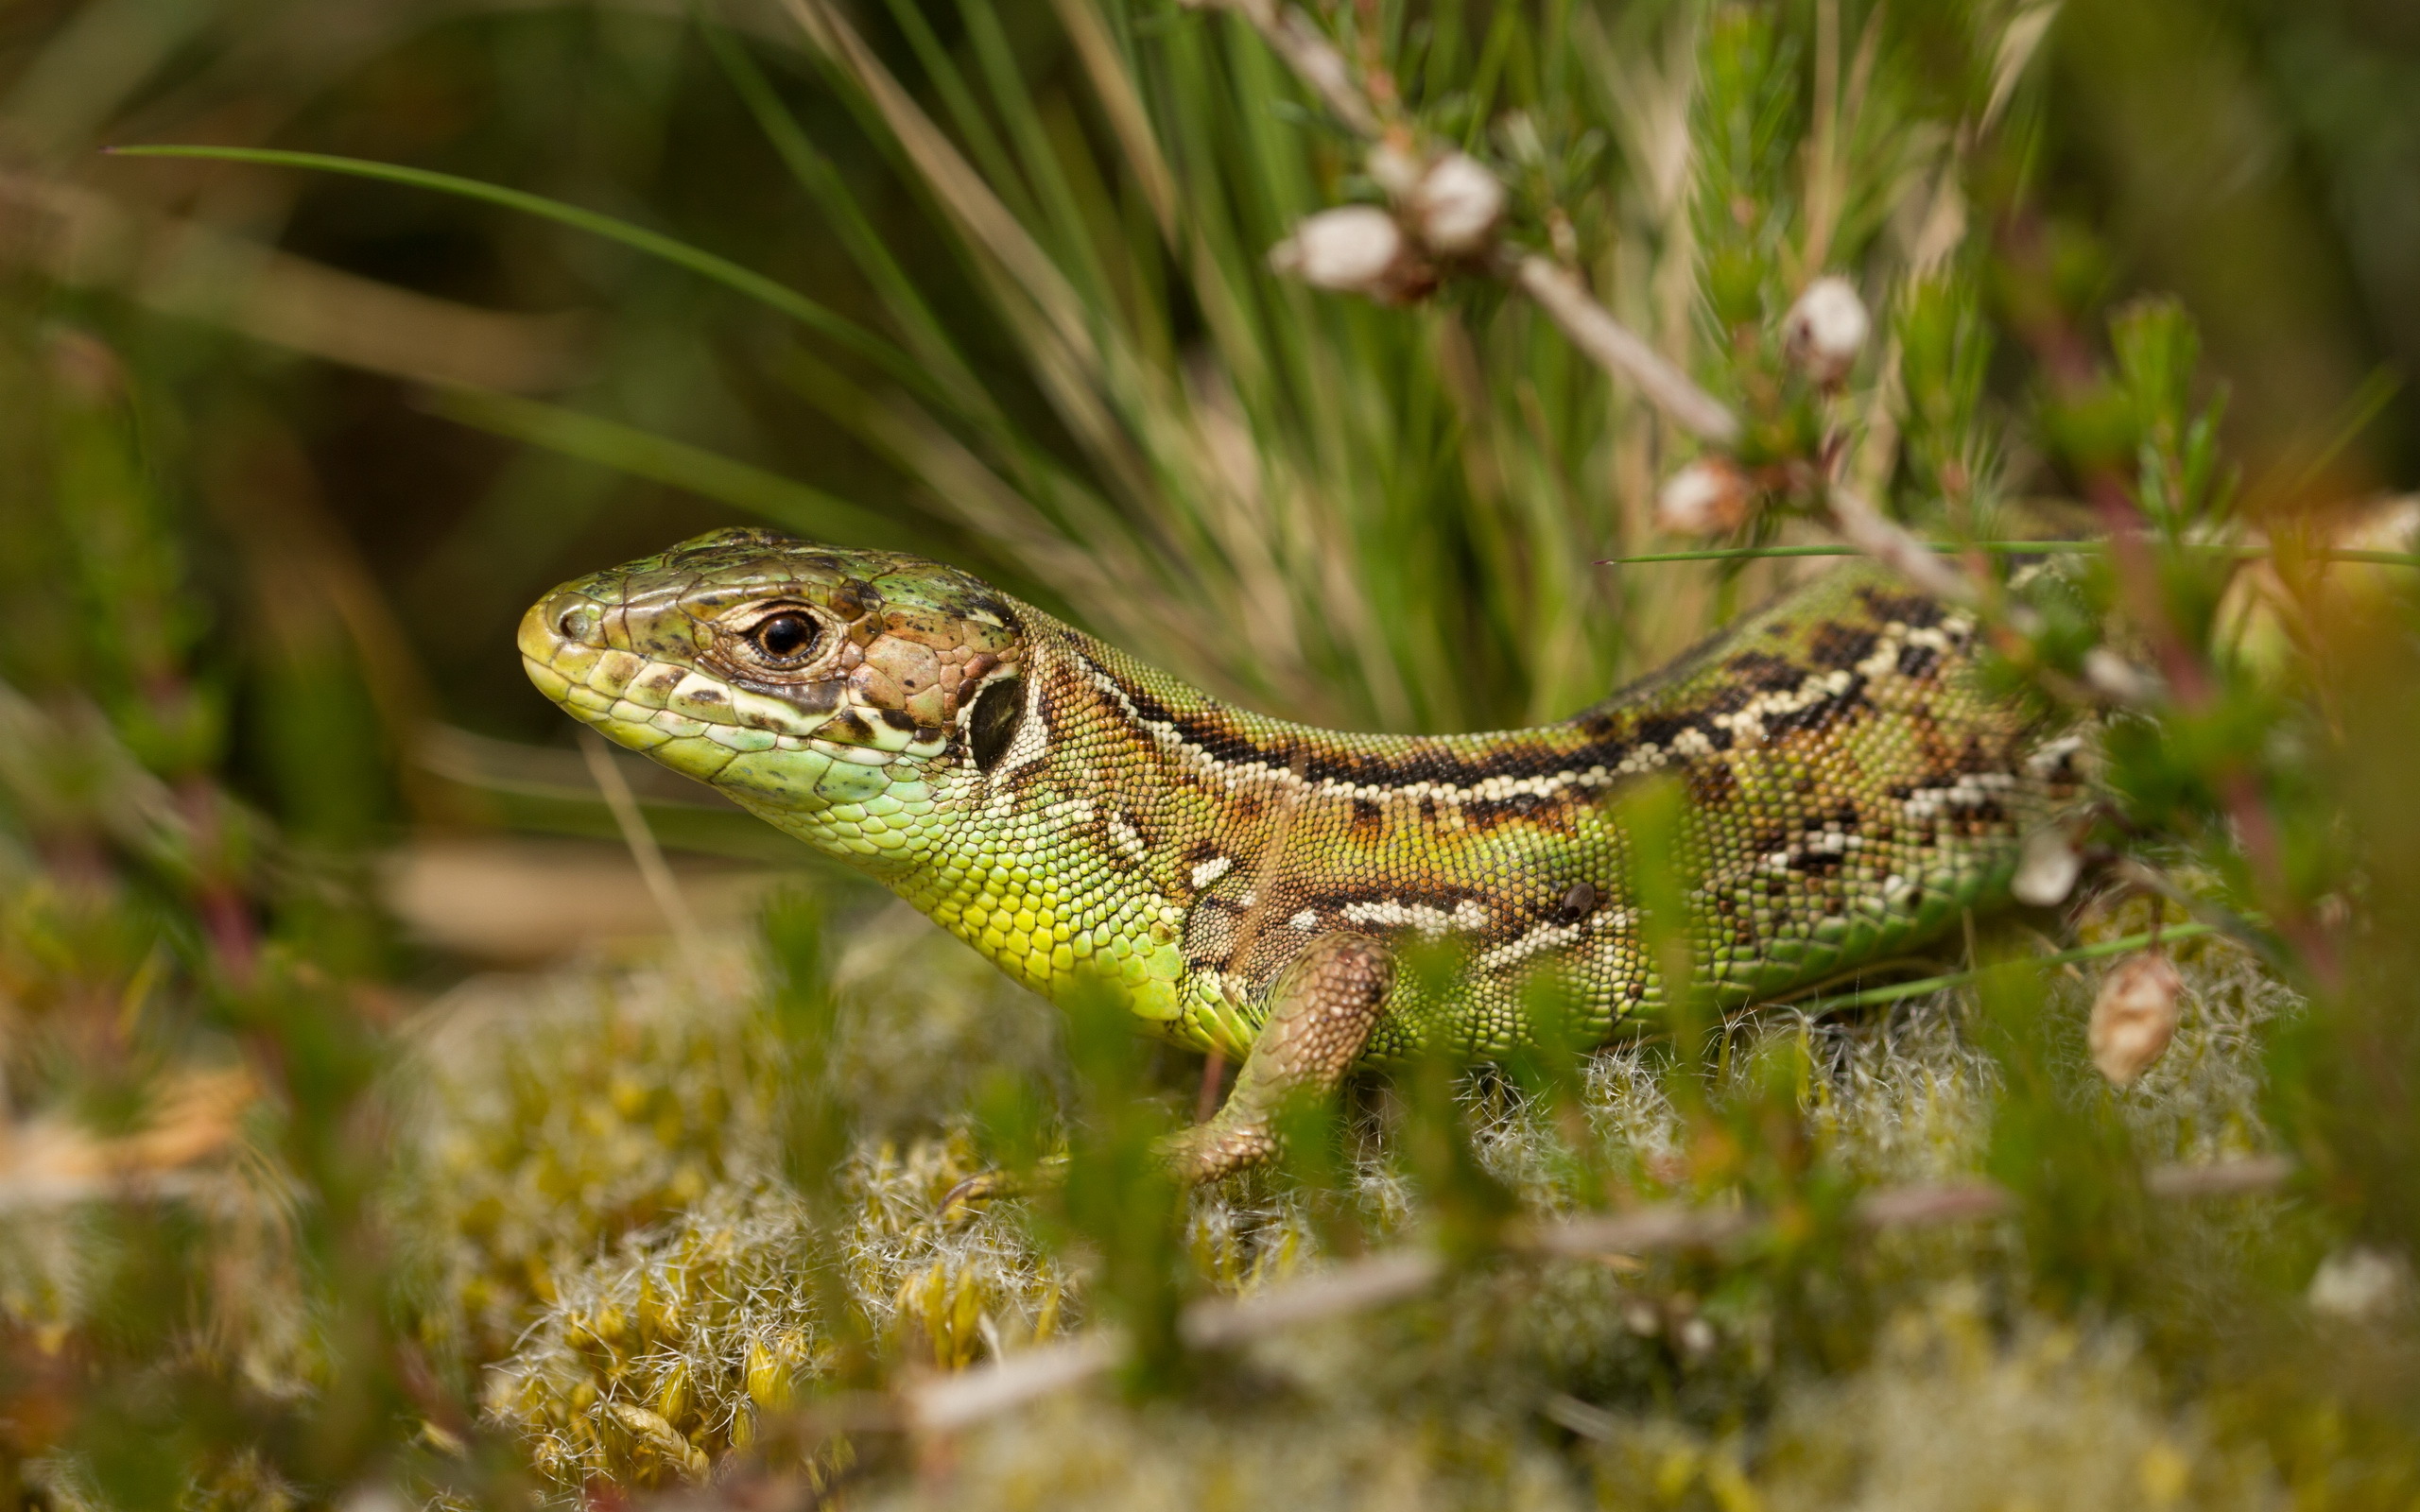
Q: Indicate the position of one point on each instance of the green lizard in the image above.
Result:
(1249, 885)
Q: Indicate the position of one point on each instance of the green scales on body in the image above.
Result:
(1247, 884)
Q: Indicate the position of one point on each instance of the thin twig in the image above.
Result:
(1373, 1282)
(986, 1391)
(971, 1396)
(1620, 351)
(1566, 301)
(1293, 37)
(1887, 542)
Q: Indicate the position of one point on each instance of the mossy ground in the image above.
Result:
(602, 1233)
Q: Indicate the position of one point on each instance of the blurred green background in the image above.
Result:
(284, 454)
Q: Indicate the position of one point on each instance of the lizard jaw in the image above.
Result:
(694, 721)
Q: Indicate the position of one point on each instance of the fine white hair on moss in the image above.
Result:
(607, 1235)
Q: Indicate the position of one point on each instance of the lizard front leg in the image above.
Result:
(1322, 1010)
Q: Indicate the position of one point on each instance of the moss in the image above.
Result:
(608, 1240)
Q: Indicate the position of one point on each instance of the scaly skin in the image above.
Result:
(1248, 886)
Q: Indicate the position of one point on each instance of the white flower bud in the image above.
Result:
(1827, 329)
(2047, 868)
(2134, 1015)
(1457, 205)
(1353, 249)
(1709, 497)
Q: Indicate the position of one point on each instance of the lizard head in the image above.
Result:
(794, 676)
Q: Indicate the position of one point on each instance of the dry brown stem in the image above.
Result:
(1622, 352)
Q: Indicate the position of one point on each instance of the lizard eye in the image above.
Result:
(785, 639)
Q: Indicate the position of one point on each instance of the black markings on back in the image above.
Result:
(1763, 671)
(1838, 647)
(1902, 609)
(1675, 706)
(992, 724)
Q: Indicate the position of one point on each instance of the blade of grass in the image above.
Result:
(743, 280)
(2045, 548)
(1937, 984)
(641, 454)
(815, 175)
(1114, 84)
(981, 135)
(1021, 120)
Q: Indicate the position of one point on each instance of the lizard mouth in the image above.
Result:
(700, 715)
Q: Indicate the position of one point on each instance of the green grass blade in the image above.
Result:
(977, 135)
(816, 175)
(707, 264)
(2044, 549)
(1929, 984)
(769, 496)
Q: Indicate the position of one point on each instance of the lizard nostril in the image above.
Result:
(578, 623)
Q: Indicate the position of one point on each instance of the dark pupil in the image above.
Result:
(784, 636)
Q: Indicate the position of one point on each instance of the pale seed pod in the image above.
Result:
(1457, 205)
(673, 1395)
(2359, 1285)
(651, 1430)
(1697, 1337)
(1827, 329)
(2047, 868)
(1709, 497)
(2118, 679)
(2134, 1015)
(1352, 249)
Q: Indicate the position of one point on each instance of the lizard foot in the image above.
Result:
(1322, 1012)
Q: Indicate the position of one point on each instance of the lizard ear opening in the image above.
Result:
(992, 724)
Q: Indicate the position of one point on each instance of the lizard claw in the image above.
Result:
(983, 1186)
(980, 1187)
